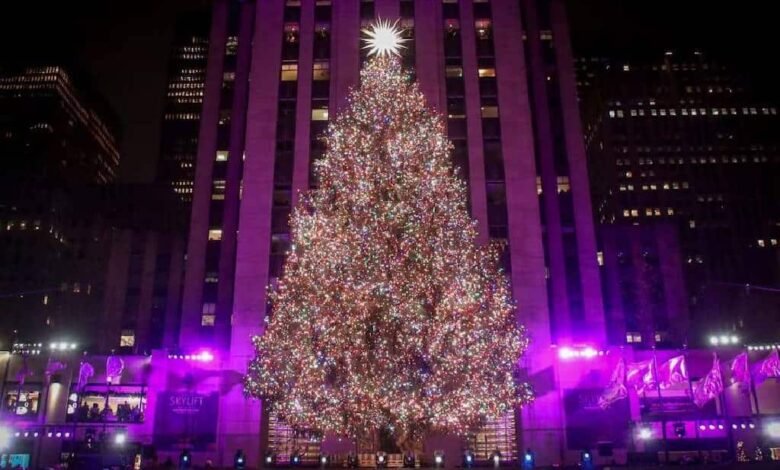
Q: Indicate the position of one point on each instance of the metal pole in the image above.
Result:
(661, 407)
(690, 391)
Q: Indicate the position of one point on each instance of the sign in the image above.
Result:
(588, 424)
(185, 419)
(675, 407)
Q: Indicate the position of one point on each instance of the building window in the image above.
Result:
(127, 339)
(319, 114)
(564, 186)
(633, 337)
(321, 71)
(489, 111)
(207, 319)
(453, 71)
(215, 234)
(212, 277)
(289, 72)
(487, 72)
(600, 258)
(222, 155)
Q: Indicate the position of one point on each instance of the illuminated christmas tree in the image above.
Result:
(388, 314)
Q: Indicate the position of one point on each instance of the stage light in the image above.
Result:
(438, 458)
(49, 434)
(185, 460)
(529, 461)
(381, 460)
(67, 434)
(645, 433)
(702, 427)
(586, 460)
(496, 458)
(468, 458)
(323, 460)
(711, 427)
(743, 426)
(720, 426)
(120, 438)
(59, 434)
(409, 460)
(295, 459)
(734, 339)
(239, 461)
(733, 426)
(714, 340)
(752, 426)
(35, 434)
(270, 459)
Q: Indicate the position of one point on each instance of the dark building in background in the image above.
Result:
(645, 298)
(144, 267)
(55, 140)
(183, 102)
(684, 139)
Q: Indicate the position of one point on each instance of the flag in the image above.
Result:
(616, 390)
(114, 367)
(740, 370)
(673, 371)
(770, 367)
(52, 367)
(710, 386)
(641, 375)
(85, 372)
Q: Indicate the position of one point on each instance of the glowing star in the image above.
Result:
(383, 39)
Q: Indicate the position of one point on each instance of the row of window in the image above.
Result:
(654, 187)
(619, 113)
(649, 212)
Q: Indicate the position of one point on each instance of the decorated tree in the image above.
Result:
(388, 315)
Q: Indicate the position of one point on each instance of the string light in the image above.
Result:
(388, 314)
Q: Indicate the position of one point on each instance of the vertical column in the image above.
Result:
(617, 319)
(388, 9)
(542, 422)
(116, 290)
(345, 58)
(473, 121)
(207, 146)
(668, 248)
(146, 291)
(593, 304)
(173, 300)
(429, 52)
(544, 145)
(227, 259)
(303, 104)
(239, 418)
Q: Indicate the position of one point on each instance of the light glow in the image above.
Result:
(383, 39)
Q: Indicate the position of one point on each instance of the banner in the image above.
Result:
(672, 372)
(85, 372)
(114, 367)
(710, 386)
(588, 424)
(740, 371)
(185, 419)
(616, 390)
(770, 367)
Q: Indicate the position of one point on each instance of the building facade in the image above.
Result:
(684, 139)
(54, 140)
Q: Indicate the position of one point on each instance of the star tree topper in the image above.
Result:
(384, 39)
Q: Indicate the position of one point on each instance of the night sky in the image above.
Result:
(121, 47)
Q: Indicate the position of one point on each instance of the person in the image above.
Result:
(83, 413)
(94, 412)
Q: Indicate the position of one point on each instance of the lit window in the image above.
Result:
(538, 185)
(635, 212)
(211, 277)
(215, 234)
(207, 319)
(564, 186)
(222, 155)
(611, 113)
(648, 211)
(626, 213)
(489, 111)
(761, 243)
(626, 68)
(319, 114)
(127, 339)
(773, 241)
(692, 224)
(600, 258)
(453, 71)
(487, 72)
(228, 77)
(289, 72)
(321, 71)
(669, 211)
(633, 337)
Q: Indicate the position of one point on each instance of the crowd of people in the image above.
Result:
(124, 413)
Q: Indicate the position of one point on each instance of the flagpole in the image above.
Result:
(752, 385)
(690, 390)
(661, 406)
(724, 409)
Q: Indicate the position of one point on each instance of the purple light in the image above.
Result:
(67, 434)
(702, 427)
(566, 353)
(743, 426)
(720, 426)
(711, 427)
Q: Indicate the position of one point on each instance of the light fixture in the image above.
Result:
(438, 458)
(120, 438)
(468, 458)
(645, 433)
(496, 458)
(381, 460)
(773, 429)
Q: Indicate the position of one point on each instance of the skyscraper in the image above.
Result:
(54, 139)
(183, 102)
(503, 75)
(684, 138)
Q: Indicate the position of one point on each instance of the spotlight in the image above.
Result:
(752, 426)
(733, 426)
(586, 460)
(185, 459)
(295, 459)
(714, 340)
(702, 427)
(645, 434)
(720, 426)
(529, 461)
(120, 438)
(438, 458)
(270, 459)
(323, 460)
(381, 460)
(239, 461)
(409, 460)
(743, 426)
(773, 430)
(496, 458)
(468, 459)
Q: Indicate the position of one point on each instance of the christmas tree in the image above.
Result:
(388, 315)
